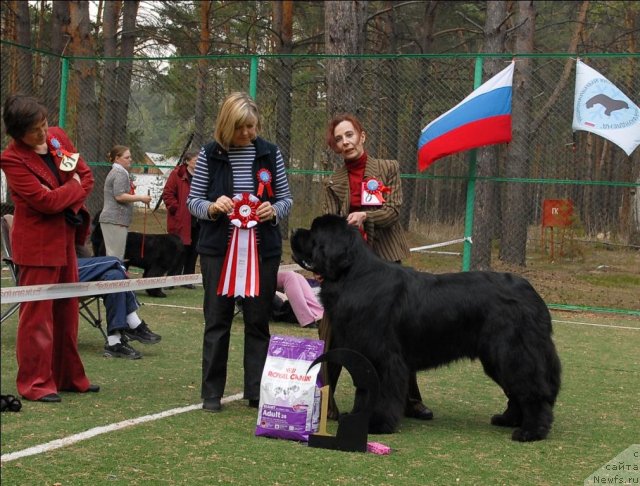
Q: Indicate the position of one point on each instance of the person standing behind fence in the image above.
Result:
(119, 196)
(180, 221)
(49, 184)
(228, 166)
(368, 192)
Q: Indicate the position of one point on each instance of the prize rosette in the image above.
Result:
(372, 190)
(240, 272)
(68, 160)
(264, 182)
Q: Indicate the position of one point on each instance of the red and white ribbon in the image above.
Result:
(264, 182)
(241, 272)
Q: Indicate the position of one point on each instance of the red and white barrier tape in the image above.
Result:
(29, 293)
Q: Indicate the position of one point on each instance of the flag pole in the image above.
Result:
(471, 186)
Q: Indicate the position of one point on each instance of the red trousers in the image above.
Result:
(47, 341)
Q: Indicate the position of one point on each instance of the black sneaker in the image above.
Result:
(121, 350)
(143, 334)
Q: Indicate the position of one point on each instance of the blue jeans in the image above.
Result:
(118, 305)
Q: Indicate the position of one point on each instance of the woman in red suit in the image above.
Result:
(180, 222)
(49, 184)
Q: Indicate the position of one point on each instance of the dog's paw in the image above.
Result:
(502, 420)
(524, 435)
(156, 293)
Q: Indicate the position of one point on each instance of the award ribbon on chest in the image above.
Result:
(372, 190)
(264, 182)
(68, 161)
(240, 275)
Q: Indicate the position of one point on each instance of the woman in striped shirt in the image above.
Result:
(228, 166)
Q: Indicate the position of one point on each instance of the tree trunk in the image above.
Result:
(389, 104)
(345, 30)
(484, 219)
(25, 58)
(283, 33)
(125, 68)
(81, 44)
(578, 36)
(513, 243)
(408, 151)
(204, 45)
(59, 37)
(109, 81)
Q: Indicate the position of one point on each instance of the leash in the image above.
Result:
(144, 228)
(158, 221)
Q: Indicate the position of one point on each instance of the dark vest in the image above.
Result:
(214, 235)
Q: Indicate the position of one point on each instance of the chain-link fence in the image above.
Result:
(397, 97)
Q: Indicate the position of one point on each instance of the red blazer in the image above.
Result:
(39, 227)
(174, 196)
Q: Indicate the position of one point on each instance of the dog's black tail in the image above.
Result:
(97, 239)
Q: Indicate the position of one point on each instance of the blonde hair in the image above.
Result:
(236, 109)
(115, 152)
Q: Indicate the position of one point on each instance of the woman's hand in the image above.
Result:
(222, 205)
(145, 199)
(266, 212)
(357, 219)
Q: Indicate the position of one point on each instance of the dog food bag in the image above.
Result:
(289, 396)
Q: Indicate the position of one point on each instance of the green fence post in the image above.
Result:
(471, 186)
(253, 77)
(64, 78)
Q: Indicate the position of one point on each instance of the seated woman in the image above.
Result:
(301, 297)
(122, 318)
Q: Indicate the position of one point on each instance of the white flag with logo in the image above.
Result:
(601, 108)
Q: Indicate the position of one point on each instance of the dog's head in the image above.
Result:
(328, 248)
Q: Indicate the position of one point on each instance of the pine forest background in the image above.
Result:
(151, 74)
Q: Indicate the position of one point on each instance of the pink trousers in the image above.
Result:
(303, 301)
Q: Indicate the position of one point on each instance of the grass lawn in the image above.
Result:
(596, 417)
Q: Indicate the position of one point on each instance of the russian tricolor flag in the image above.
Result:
(482, 118)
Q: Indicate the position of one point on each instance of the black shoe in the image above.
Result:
(254, 403)
(143, 334)
(212, 405)
(92, 389)
(121, 350)
(189, 286)
(50, 398)
(419, 411)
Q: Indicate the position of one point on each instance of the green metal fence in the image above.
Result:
(398, 95)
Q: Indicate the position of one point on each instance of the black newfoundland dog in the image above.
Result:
(402, 319)
(163, 253)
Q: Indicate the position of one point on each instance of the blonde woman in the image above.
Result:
(235, 163)
(119, 196)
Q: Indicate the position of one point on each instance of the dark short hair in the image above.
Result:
(21, 112)
(336, 120)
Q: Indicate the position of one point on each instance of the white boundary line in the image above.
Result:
(88, 434)
(596, 325)
(554, 320)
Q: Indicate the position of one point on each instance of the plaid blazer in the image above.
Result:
(383, 228)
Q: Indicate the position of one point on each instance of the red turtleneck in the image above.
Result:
(355, 168)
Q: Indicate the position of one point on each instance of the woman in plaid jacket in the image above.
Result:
(368, 192)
